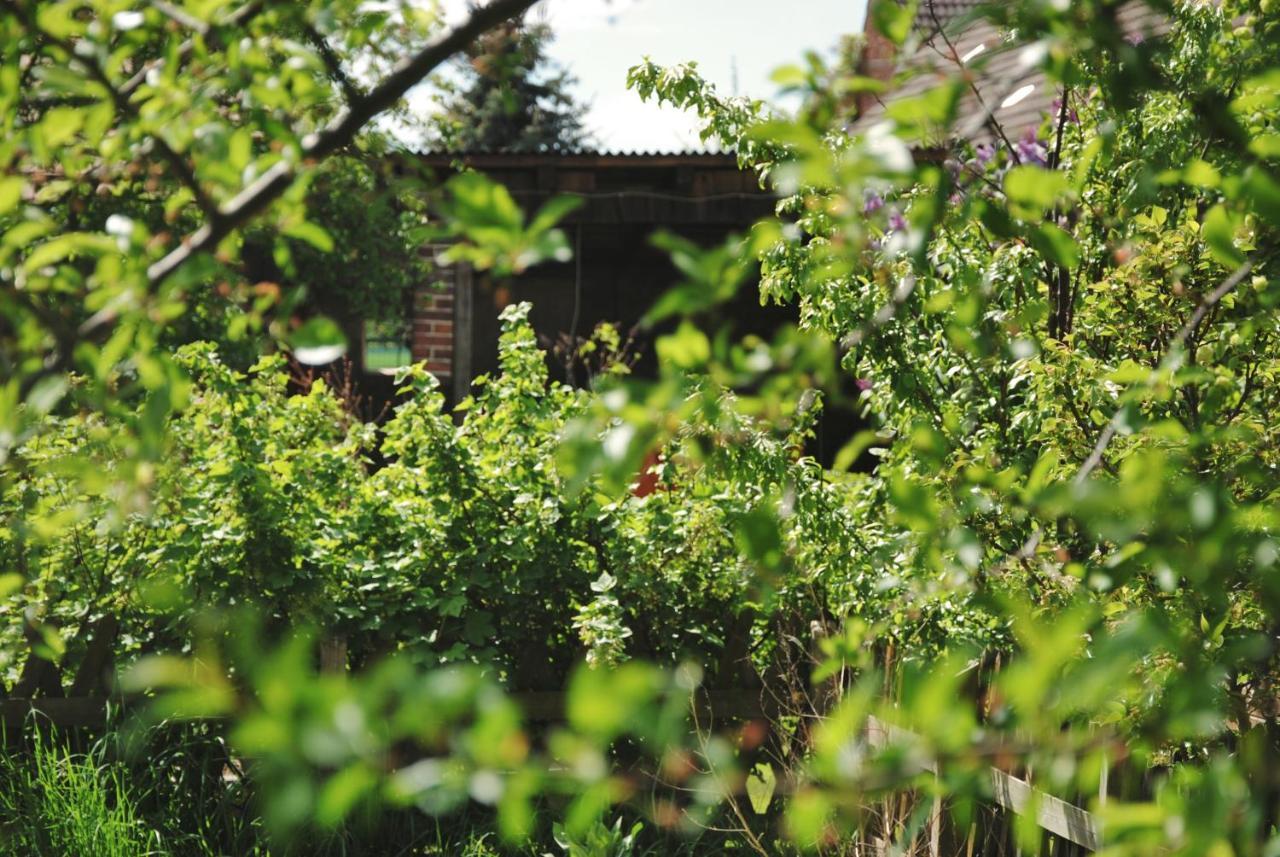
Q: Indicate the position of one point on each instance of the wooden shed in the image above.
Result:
(616, 274)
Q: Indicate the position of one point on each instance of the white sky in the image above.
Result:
(598, 40)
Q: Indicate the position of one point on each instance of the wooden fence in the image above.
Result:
(42, 692)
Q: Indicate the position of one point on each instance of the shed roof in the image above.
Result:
(1006, 88)
(582, 158)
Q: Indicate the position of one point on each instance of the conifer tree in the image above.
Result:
(511, 97)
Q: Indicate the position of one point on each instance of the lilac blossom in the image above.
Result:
(1030, 150)
(984, 153)
(1056, 110)
(896, 221)
(873, 202)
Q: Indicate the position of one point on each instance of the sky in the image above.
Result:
(740, 41)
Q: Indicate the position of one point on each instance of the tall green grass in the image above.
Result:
(56, 802)
(174, 790)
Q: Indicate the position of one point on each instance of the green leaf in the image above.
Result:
(1033, 189)
(66, 246)
(318, 341)
(688, 348)
(1201, 173)
(1262, 192)
(312, 233)
(60, 125)
(1056, 245)
(46, 393)
(1218, 233)
(892, 19)
(852, 451)
(342, 792)
(555, 210)
(10, 583)
(761, 784)
(789, 76)
(1265, 145)
(10, 193)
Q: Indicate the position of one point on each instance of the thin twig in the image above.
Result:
(973, 86)
(181, 17)
(333, 65)
(240, 16)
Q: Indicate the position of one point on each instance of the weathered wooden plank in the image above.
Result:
(1052, 814)
(81, 711)
(548, 706)
(40, 676)
(93, 677)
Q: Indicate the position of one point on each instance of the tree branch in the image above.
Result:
(1192, 324)
(991, 120)
(240, 16)
(333, 65)
(181, 17)
(340, 131)
(124, 109)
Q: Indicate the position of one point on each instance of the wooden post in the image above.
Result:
(93, 678)
(333, 655)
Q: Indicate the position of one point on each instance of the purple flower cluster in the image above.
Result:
(1072, 116)
(1030, 150)
(874, 202)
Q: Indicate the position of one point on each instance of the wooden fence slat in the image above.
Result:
(40, 677)
(78, 712)
(93, 677)
(1052, 814)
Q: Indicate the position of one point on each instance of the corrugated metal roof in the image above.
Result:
(932, 13)
(582, 153)
(1005, 85)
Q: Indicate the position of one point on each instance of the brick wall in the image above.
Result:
(431, 340)
(879, 60)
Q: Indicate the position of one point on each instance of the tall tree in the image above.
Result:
(509, 97)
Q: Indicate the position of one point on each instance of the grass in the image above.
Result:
(55, 802)
(385, 355)
(176, 793)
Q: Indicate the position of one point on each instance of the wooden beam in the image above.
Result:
(94, 676)
(79, 711)
(1052, 814)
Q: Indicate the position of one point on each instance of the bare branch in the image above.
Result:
(181, 17)
(339, 132)
(991, 120)
(333, 65)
